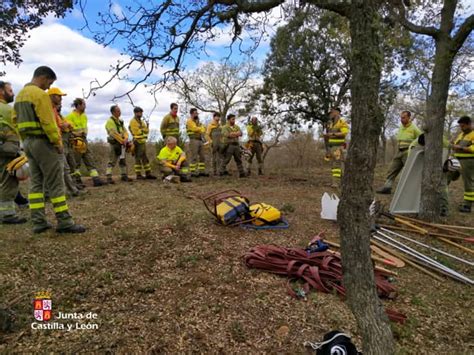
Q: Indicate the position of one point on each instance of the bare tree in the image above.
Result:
(218, 86)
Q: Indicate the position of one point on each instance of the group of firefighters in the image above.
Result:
(55, 148)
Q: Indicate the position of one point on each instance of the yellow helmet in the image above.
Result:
(79, 145)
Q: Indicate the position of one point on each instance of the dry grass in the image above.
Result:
(164, 278)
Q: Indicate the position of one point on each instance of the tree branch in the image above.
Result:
(464, 31)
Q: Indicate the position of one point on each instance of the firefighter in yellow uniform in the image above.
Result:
(118, 140)
(337, 131)
(34, 118)
(170, 123)
(77, 118)
(213, 137)
(9, 150)
(195, 131)
(173, 160)
(407, 133)
(55, 94)
(139, 130)
(230, 146)
(255, 133)
(463, 148)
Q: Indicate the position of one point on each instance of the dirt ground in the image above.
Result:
(162, 277)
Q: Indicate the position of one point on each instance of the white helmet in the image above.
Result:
(452, 164)
(23, 173)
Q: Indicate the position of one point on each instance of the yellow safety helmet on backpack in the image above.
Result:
(79, 145)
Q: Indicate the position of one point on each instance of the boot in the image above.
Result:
(14, 220)
(384, 190)
(465, 209)
(21, 201)
(110, 180)
(224, 173)
(185, 178)
(125, 178)
(97, 181)
(150, 176)
(140, 177)
(204, 174)
(242, 174)
(249, 172)
(74, 229)
(260, 171)
(41, 229)
(79, 181)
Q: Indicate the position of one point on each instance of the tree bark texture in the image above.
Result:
(357, 194)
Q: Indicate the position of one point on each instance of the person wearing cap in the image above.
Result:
(139, 130)
(77, 118)
(407, 133)
(9, 150)
(255, 133)
(195, 131)
(336, 134)
(119, 144)
(463, 148)
(33, 115)
(230, 146)
(55, 94)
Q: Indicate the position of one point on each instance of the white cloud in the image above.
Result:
(77, 61)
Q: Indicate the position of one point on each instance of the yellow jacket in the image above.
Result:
(78, 121)
(170, 126)
(213, 131)
(466, 141)
(139, 130)
(254, 132)
(194, 129)
(116, 130)
(341, 126)
(33, 114)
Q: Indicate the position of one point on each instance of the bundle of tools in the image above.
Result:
(390, 239)
(321, 270)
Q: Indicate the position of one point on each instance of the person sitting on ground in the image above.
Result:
(173, 160)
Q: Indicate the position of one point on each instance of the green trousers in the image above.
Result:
(229, 151)
(257, 149)
(8, 190)
(115, 154)
(184, 171)
(46, 173)
(197, 159)
(396, 166)
(141, 160)
(88, 160)
(337, 162)
(467, 173)
(215, 157)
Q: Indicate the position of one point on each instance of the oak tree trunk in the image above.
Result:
(434, 126)
(357, 194)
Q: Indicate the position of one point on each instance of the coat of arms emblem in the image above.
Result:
(43, 306)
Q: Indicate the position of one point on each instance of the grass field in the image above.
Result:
(163, 277)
